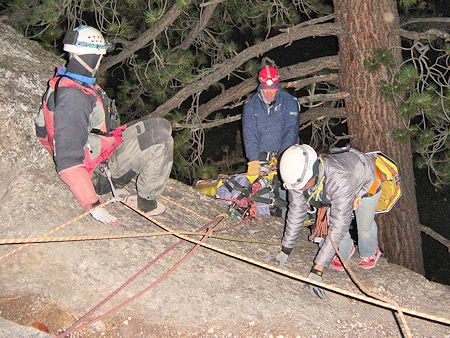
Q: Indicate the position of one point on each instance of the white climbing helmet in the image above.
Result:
(85, 40)
(296, 166)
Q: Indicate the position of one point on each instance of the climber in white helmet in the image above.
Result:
(343, 182)
(80, 127)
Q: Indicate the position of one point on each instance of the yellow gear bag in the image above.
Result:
(388, 178)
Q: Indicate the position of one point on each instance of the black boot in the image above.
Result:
(146, 205)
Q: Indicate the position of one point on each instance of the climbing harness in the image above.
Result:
(248, 198)
(320, 205)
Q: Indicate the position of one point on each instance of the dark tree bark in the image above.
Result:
(372, 118)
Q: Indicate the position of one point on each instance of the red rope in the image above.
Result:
(321, 229)
(84, 322)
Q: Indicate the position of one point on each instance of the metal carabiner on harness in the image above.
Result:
(103, 167)
(239, 212)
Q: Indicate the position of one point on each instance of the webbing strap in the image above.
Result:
(246, 191)
(55, 90)
(321, 184)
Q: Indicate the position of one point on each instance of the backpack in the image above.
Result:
(388, 178)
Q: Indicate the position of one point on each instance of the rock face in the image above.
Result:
(208, 295)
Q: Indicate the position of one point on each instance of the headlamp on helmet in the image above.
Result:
(268, 77)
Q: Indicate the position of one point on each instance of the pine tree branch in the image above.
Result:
(212, 2)
(317, 113)
(438, 237)
(294, 33)
(429, 34)
(425, 20)
(207, 125)
(249, 85)
(144, 39)
(309, 116)
(199, 26)
(299, 84)
(323, 97)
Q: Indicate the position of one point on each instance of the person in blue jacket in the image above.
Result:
(270, 120)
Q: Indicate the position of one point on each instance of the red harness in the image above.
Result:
(109, 142)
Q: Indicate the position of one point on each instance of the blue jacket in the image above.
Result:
(270, 127)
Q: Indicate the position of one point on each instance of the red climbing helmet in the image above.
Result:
(268, 77)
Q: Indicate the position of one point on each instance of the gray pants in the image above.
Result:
(367, 229)
(146, 151)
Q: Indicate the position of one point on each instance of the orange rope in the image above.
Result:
(321, 229)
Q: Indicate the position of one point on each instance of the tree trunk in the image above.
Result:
(372, 119)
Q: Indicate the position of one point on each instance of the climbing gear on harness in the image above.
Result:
(317, 194)
(248, 199)
(103, 167)
(296, 166)
(268, 161)
(320, 229)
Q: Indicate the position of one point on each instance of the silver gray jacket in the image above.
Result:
(348, 175)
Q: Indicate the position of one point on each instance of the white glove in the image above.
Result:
(281, 258)
(102, 215)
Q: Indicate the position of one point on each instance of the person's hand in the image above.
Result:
(253, 168)
(102, 215)
(357, 203)
(315, 290)
(281, 258)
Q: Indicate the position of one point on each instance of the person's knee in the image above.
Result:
(159, 124)
(165, 125)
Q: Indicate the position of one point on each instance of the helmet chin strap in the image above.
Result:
(92, 71)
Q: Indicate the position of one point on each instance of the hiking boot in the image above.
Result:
(337, 265)
(370, 262)
(149, 207)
